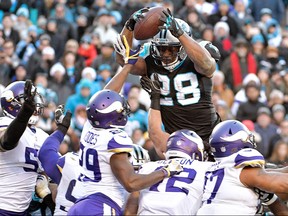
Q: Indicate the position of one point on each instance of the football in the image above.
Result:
(148, 26)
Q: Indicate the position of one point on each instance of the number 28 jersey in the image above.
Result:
(185, 97)
(178, 195)
(18, 169)
(224, 194)
(96, 148)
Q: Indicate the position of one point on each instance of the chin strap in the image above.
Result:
(172, 65)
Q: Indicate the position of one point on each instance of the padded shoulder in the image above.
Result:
(249, 157)
(120, 142)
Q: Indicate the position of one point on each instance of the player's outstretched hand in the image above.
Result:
(135, 17)
(265, 197)
(41, 187)
(122, 47)
(173, 168)
(29, 95)
(171, 24)
(62, 121)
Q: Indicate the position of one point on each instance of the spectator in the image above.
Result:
(11, 57)
(279, 154)
(276, 6)
(90, 74)
(20, 73)
(56, 38)
(59, 83)
(203, 7)
(107, 56)
(278, 113)
(104, 74)
(138, 137)
(264, 75)
(223, 110)
(266, 129)
(195, 20)
(240, 63)
(87, 50)
(276, 97)
(34, 59)
(4, 68)
(8, 31)
(79, 119)
(273, 34)
(282, 134)
(138, 118)
(223, 15)
(80, 97)
(248, 110)
(73, 72)
(22, 23)
(258, 47)
(224, 91)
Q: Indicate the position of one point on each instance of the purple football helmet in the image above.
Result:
(229, 137)
(107, 109)
(12, 99)
(185, 144)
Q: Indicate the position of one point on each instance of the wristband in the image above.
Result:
(272, 200)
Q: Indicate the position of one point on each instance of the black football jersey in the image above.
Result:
(185, 98)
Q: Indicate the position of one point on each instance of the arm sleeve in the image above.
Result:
(9, 140)
(49, 156)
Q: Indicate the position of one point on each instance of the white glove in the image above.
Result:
(173, 168)
(41, 187)
(59, 114)
(119, 46)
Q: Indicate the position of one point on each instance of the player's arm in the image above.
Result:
(48, 154)
(10, 137)
(131, 181)
(131, 207)
(140, 67)
(203, 61)
(130, 59)
(278, 208)
(156, 134)
(274, 182)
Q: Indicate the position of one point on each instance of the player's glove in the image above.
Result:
(122, 47)
(173, 168)
(135, 17)
(265, 197)
(171, 24)
(153, 88)
(41, 187)
(62, 121)
(29, 104)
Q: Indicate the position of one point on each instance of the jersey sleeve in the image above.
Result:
(145, 51)
(249, 157)
(120, 142)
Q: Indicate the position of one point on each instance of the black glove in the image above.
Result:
(63, 122)
(171, 24)
(265, 197)
(29, 104)
(135, 17)
(153, 88)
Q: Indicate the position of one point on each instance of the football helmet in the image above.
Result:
(213, 50)
(163, 41)
(107, 109)
(185, 144)
(139, 156)
(12, 99)
(229, 137)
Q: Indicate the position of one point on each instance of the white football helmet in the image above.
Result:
(165, 40)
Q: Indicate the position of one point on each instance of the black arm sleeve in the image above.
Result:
(10, 138)
(48, 201)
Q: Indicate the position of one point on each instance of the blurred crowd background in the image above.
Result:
(66, 48)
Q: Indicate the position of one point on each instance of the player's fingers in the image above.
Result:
(121, 45)
(169, 12)
(165, 13)
(144, 10)
(162, 27)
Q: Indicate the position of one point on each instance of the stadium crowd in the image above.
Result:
(66, 48)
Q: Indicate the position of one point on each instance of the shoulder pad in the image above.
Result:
(120, 142)
(145, 50)
(249, 157)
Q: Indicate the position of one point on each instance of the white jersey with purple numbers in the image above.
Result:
(178, 195)
(224, 194)
(69, 167)
(96, 148)
(18, 169)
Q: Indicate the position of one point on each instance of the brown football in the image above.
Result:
(148, 26)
